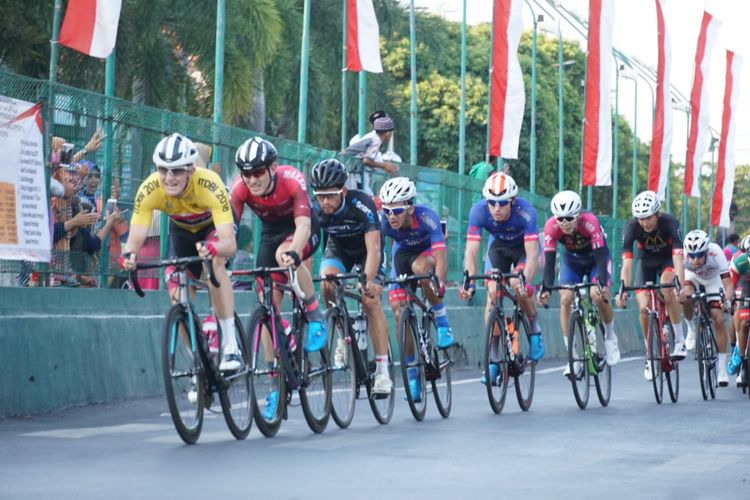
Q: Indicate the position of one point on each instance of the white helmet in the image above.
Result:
(745, 244)
(696, 241)
(566, 204)
(175, 151)
(397, 189)
(645, 204)
(500, 187)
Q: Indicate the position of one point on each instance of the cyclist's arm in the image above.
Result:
(227, 245)
(679, 264)
(600, 257)
(532, 257)
(372, 262)
(470, 255)
(726, 280)
(136, 238)
(628, 238)
(441, 263)
(627, 269)
(549, 267)
(302, 227)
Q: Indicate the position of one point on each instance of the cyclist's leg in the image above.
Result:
(569, 275)
(714, 285)
(604, 304)
(424, 263)
(330, 264)
(670, 299)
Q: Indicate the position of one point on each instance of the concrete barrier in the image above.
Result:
(66, 347)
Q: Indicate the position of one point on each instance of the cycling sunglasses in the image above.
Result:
(568, 218)
(177, 172)
(498, 203)
(696, 255)
(255, 174)
(394, 211)
(327, 194)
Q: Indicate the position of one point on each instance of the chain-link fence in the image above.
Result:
(134, 130)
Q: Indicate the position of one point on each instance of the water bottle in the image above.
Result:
(360, 330)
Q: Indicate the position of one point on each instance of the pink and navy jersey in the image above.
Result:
(587, 237)
(425, 232)
(519, 227)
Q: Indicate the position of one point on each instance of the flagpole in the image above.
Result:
(109, 93)
(462, 109)
(343, 76)
(218, 75)
(362, 102)
(302, 113)
(413, 113)
(615, 180)
(489, 83)
(54, 43)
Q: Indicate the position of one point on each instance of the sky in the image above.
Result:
(635, 35)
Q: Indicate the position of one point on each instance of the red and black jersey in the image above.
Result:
(284, 203)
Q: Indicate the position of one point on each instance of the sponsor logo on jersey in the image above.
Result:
(295, 174)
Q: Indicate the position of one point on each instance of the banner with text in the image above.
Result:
(24, 214)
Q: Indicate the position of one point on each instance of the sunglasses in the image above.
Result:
(255, 174)
(569, 218)
(696, 255)
(177, 172)
(394, 211)
(327, 194)
(500, 203)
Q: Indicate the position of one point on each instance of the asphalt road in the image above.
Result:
(632, 449)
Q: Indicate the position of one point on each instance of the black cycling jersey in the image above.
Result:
(656, 246)
(345, 229)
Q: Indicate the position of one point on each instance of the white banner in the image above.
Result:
(24, 214)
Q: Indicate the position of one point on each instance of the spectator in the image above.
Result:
(366, 153)
(119, 230)
(91, 181)
(732, 246)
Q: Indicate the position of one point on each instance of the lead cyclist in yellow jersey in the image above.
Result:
(200, 223)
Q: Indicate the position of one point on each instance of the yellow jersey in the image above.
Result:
(204, 201)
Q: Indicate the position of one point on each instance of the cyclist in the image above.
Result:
(418, 247)
(586, 254)
(659, 257)
(200, 223)
(513, 242)
(706, 265)
(352, 228)
(740, 274)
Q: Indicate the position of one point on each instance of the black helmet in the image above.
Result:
(254, 154)
(328, 174)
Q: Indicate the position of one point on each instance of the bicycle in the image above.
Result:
(506, 353)
(279, 364)
(705, 343)
(586, 353)
(660, 340)
(353, 365)
(744, 364)
(431, 363)
(191, 373)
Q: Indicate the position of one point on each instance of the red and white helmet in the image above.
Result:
(500, 187)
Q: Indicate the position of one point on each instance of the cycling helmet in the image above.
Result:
(499, 187)
(175, 151)
(396, 190)
(696, 241)
(566, 204)
(328, 174)
(745, 244)
(254, 154)
(645, 205)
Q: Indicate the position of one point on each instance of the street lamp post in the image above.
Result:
(615, 180)
(629, 74)
(532, 153)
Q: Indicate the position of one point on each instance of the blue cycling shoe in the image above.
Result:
(316, 336)
(536, 352)
(415, 389)
(272, 402)
(445, 337)
(494, 372)
(734, 362)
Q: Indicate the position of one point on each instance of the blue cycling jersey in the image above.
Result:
(425, 231)
(520, 226)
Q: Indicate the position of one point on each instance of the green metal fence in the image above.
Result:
(135, 129)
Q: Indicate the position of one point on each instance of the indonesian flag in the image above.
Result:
(699, 119)
(362, 37)
(661, 138)
(597, 129)
(725, 170)
(507, 96)
(90, 26)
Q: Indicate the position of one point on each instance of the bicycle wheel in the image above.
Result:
(673, 373)
(578, 360)
(267, 383)
(602, 371)
(711, 380)
(382, 407)
(184, 383)
(342, 366)
(704, 363)
(412, 369)
(315, 392)
(495, 361)
(439, 369)
(235, 398)
(524, 370)
(654, 358)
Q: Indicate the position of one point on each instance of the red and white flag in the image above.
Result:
(90, 26)
(507, 95)
(725, 170)
(597, 129)
(661, 138)
(362, 37)
(699, 120)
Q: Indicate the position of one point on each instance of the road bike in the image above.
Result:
(352, 363)
(506, 351)
(706, 348)
(191, 372)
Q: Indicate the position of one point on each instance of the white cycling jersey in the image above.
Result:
(715, 266)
